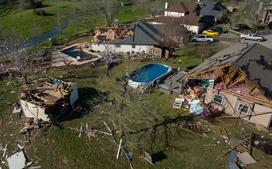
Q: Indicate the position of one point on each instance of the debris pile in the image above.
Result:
(47, 103)
(240, 152)
(237, 86)
(192, 98)
(111, 33)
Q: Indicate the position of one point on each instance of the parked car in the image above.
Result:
(210, 33)
(202, 38)
(252, 37)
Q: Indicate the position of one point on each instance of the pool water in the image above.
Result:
(149, 73)
(74, 52)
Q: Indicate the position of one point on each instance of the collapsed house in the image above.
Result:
(238, 80)
(144, 39)
(111, 33)
(48, 102)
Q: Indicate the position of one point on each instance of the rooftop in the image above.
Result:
(255, 60)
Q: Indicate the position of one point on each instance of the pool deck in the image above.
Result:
(171, 84)
(61, 59)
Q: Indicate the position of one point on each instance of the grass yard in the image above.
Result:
(172, 147)
(27, 24)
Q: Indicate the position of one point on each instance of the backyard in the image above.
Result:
(100, 100)
(148, 122)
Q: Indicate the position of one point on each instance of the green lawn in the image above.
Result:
(24, 21)
(27, 24)
(62, 148)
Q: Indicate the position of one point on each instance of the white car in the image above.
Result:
(252, 37)
(202, 38)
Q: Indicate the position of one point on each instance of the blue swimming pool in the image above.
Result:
(148, 74)
(74, 52)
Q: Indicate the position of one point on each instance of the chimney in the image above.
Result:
(166, 5)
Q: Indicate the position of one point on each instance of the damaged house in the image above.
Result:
(48, 102)
(239, 80)
(144, 39)
(111, 33)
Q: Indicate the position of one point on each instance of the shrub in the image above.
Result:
(39, 12)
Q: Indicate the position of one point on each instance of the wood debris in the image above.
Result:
(47, 103)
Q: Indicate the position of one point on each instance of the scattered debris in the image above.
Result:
(147, 157)
(4, 151)
(18, 161)
(89, 133)
(192, 128)
(245, 159)
(239, 145)
(178, 103)
(263, 144)
(35, 167)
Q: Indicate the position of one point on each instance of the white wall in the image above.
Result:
(121, 48)
(173, 14)
(33, 111)
(230, 103)
(74, 94)
(191, 28)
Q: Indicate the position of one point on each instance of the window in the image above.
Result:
(243, 107)
(133, 46)
(218, 98)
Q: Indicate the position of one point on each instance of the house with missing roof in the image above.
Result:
(144, 38)
(240, 81)
(193, 16)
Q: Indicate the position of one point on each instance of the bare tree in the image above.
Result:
(203, 51)
(17, 57)
(88, 10)
(108, 8)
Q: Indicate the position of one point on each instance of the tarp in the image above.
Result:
(195, 108)
(232, 160)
